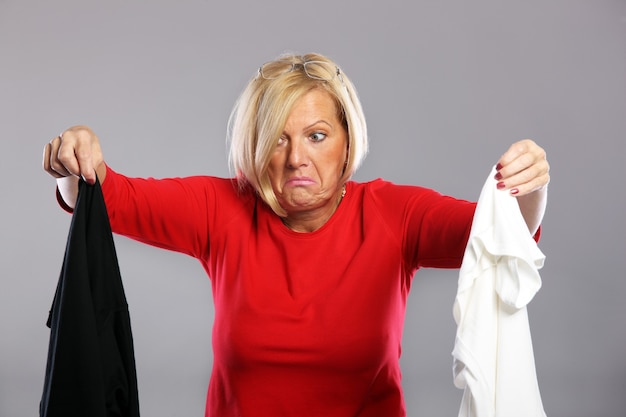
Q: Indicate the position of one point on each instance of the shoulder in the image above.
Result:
(224, 192)
(400, 201)
(385, 191)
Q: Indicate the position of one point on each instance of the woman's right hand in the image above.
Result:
(74, 153)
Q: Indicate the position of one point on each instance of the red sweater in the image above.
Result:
(306, 324)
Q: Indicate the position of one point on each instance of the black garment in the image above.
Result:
(91, 363)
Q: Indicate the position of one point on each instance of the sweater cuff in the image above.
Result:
(62, 202)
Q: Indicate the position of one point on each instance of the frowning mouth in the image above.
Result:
(299, 181)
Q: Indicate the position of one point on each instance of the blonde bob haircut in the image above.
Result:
(261, 111)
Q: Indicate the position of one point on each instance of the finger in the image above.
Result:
(65, 155)
(47, 150)
(84, 154)
(528, 180)
(520, 157)
(51, 162)
(87, 152)
(516, 151)
(531, 186)
(45, 159)
(525, 175)
(521, 169)
(75, 153)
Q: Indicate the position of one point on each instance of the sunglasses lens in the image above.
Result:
(274, 69)
(319, 70)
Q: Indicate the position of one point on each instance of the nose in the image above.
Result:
(297, 155)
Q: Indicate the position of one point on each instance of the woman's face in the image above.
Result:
(309, 159)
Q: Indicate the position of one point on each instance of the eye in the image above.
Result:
(318, 136)
(282, 140)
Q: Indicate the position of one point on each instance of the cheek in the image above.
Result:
(338, 159)
(331, 170)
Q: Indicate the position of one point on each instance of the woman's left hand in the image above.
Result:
(523, 168)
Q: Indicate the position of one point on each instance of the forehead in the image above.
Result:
(314, 104)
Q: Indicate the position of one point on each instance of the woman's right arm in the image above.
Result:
(73, 154)
(173, 213)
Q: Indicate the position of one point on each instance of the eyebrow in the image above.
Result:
(318, 122)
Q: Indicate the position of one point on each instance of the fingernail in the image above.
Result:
(499, 166)
(89, 181)
(498, 176)
(500, 185)
(514, 191)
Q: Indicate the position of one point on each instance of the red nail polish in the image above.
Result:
(499, 166)
(500, 185)
(514, 191)
(498, 176)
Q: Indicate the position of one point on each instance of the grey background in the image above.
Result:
(446, 86)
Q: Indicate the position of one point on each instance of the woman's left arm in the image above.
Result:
(523, 171)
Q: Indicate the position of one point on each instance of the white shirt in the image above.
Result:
(493, 356)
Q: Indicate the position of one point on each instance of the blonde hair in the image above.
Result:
(261, 111)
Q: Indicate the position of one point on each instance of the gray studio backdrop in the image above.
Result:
(446, 85)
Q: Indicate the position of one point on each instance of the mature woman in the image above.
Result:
(310, 271)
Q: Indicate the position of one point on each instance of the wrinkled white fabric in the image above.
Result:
(493, 356)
